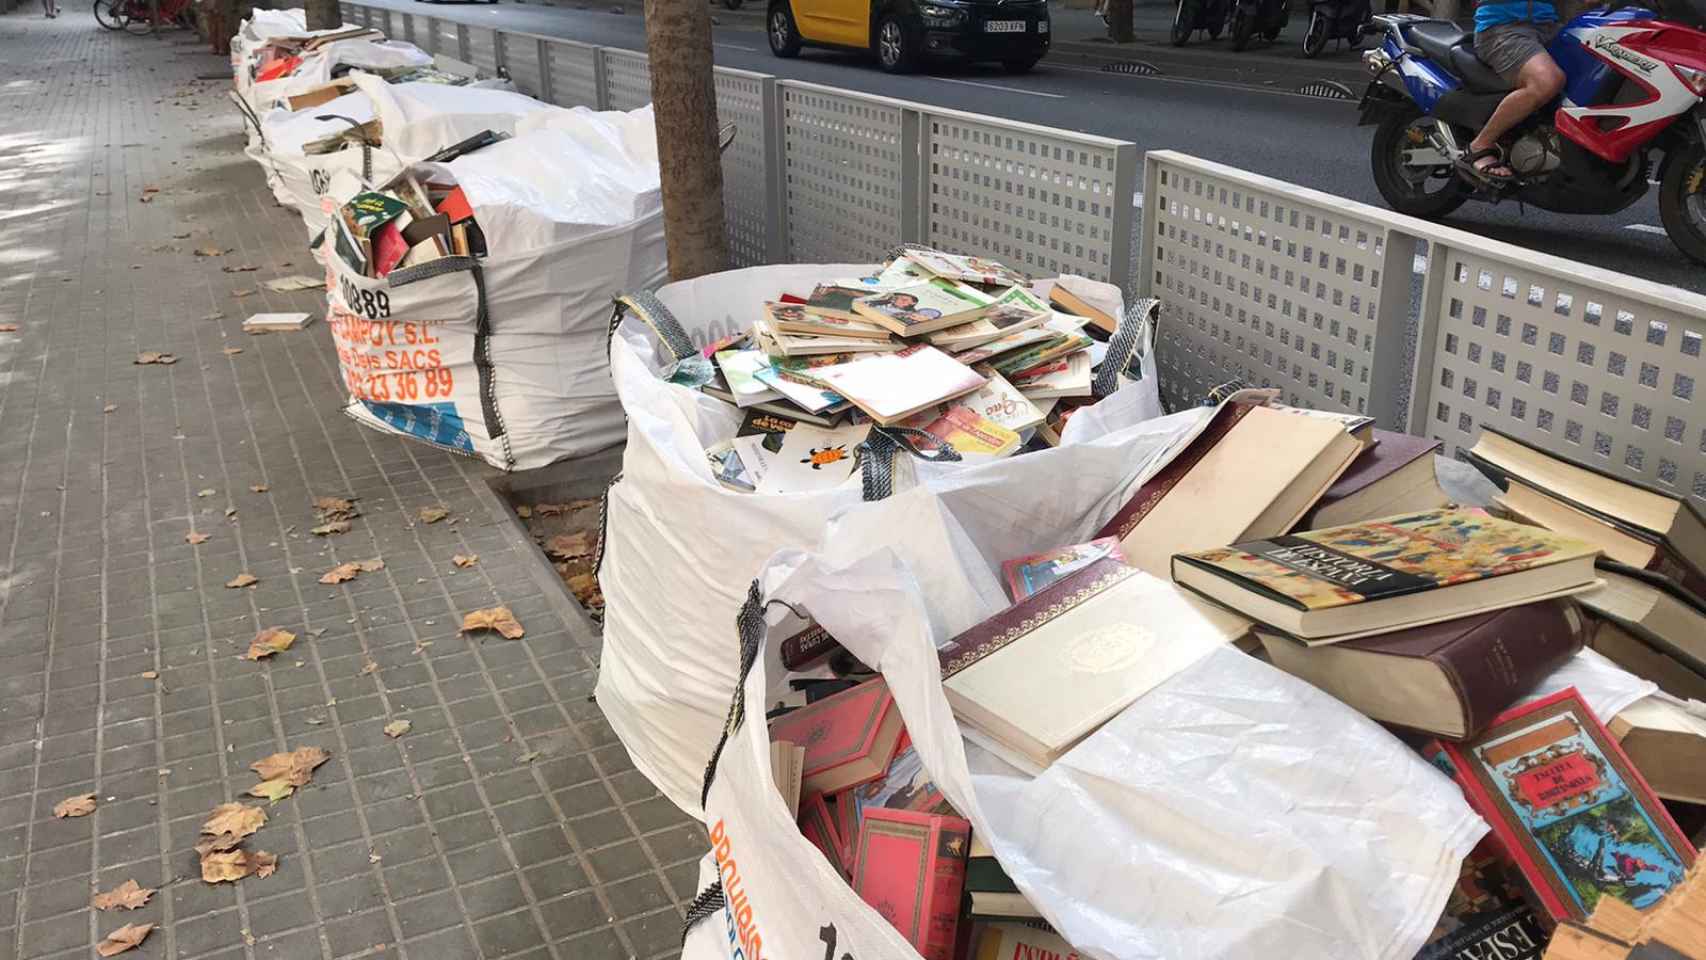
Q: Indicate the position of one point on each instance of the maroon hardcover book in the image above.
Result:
(1168, 477)
(1391, 452)
(1489, 660)
(807, 647)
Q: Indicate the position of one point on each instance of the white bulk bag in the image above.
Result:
(1232, 811)
(319, 67)
(679, 547)
(504, 358)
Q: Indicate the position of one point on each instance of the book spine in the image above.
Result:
(807, 647)
(1549, 908)
(1507, 655)
(1671, 564)
(945, 874)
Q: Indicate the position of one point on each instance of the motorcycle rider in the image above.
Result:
(1511, 37)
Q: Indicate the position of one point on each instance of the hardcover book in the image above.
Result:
(817, 824)
(1487, 913)
(1249, 472)
(1654, 607)
(1096, 302)
(1016, 941)
(1648, 657)
(1667, 744)
(806, 648)
(1395, 475)
(1450, 678)
(1327, 586)
(910, 868)
(1098, 640)
(1028, 574)
(1577, 818)
(786, 763)
(891, 387)
(922, 308)
(850, 738)
(1671, 528)
(1622, 543)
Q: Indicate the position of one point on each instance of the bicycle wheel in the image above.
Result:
(110, 13)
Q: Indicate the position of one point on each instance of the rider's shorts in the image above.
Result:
(1508, 46)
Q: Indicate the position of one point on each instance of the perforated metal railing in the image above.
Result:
(1292, 288)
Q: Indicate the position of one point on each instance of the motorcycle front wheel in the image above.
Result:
(1426, 192)
(1243, 28)
(1184, 21)
(1682, 202)
(1315, 38)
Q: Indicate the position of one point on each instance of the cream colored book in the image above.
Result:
(787, 765)
(1048, 671)
(1667, 744)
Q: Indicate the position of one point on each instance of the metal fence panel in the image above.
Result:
(1259, 283)
(843, 172)
(1598, 367)
(521, 59)
(574, 73)
(447, 38)
(483, 50)
(627, 80)
(1036, 198)
(741, 98)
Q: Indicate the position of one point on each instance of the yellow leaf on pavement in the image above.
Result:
(242, 580)
(494, 618)
(268, 642)
(79, 806)
(129, 895)
(465, 559)
(238, 819)
(124, 938)
(274, 790)
(225, 866)
(296, 766)
(397, 728)
(340, 573)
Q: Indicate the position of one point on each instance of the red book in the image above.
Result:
(817, 824)
(455, 206)
(911, 868)
(1573, 813)
(389, 249)
(850, 738)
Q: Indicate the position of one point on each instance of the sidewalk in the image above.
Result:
(506, 822)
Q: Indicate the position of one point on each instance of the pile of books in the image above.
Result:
(953, 346)
(1311, 540)
(406, 223)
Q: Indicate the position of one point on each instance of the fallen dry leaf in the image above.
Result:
(274, 790)
(195, 537)
(129, 895)
(432, 514)
(214, 316)
(242, 580)
(340, 573)
(494, 618)
(155, 356)
(268, 642)
(264, 863)
(150, 675)
(180, 236)
(237, 819)
(8, 328)
(79, 806)
(370, 566)
(245, 268)
(145, 198)
(570, 546)
(109, 408)
(258, 488)
(327, 529)
(131, 934)
(397, 728)
(231, 351)
(585, 588)
(367, 669)
(524, 511)
(226, 866)
(296, 767)
(240, 294)
(209, 252)
(465, 559)
(206, 493)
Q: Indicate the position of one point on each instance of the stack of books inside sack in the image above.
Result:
(1329, 548)
(954, 346)
(409, 221)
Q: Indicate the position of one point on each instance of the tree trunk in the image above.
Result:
(1120, 21)
(684, 101)
(323, 14)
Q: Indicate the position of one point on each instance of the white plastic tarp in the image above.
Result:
(504, 358)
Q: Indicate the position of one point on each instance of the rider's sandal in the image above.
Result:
(1468, 165)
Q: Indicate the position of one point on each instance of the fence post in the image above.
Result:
(500, 56)
(775, 171)
(1427, 335)
(600, 80)
(545, 92)
(1387, 366)
(462, 45)
(1126, 162)
(914, 176)
(1151, 217)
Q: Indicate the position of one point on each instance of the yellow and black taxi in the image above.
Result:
(902, 33)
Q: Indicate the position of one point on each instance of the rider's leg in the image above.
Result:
(1539, 82)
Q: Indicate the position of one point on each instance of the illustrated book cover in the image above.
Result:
(910, 867)
(1028, 574)
(850, 738)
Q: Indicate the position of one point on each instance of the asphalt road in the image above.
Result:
(1301, 139)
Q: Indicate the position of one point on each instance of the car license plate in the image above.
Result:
(1004, 26)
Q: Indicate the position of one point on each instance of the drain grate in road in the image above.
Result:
(1327, 90)
(1134, 67)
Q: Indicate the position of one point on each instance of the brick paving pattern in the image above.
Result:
(508, 821)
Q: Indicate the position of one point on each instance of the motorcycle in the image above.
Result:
(1252, 18)
(1633, 92)
(1335, 20)
(1194, 15)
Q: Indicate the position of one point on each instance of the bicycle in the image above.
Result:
(140, 17)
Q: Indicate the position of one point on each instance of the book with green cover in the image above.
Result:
(1380, 575)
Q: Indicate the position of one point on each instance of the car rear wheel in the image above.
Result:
(896, 50)
(1018, 65)
(784, 37)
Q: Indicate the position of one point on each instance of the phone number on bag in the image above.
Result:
(404, 386)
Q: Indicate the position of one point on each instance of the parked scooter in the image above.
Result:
(1263, 18)
(1335, 20)
(1194, 15)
